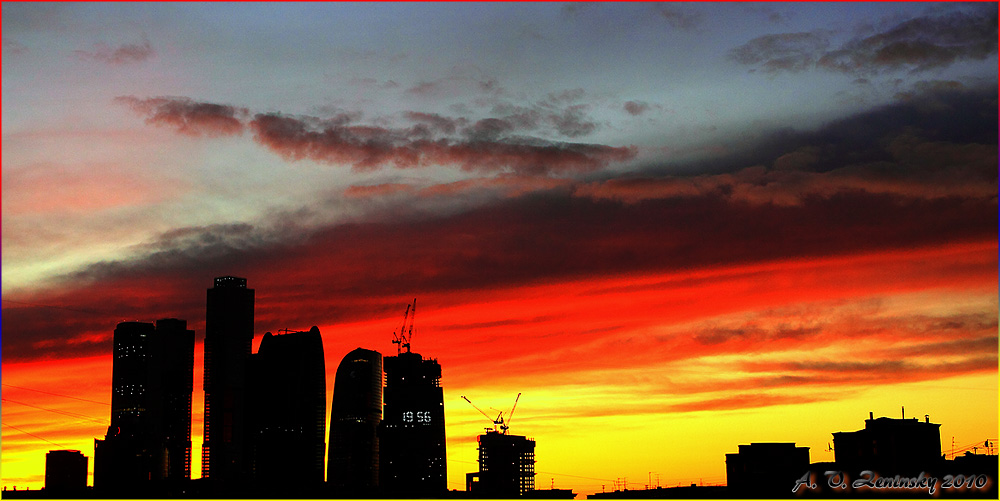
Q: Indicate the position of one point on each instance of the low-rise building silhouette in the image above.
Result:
(765, 470)
(889, 446)
(65, 472)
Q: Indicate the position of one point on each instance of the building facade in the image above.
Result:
(412, 456)
(65, 472)
(149, 438)
(765, 469)
(889, 446)
(506, 466)
(228, 338)
(355, 415)
(287, 418)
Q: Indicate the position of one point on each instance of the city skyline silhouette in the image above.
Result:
(673, 228)
(387, 429)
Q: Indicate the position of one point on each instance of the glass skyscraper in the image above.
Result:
(355, 414)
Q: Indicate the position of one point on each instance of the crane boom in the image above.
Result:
(510, 415)
(480, 410)
(404, 336)
(413, 315)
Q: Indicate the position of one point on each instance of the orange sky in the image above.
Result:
(673, 228)
(659, 373)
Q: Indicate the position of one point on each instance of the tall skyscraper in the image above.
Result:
(287, 422)
(149, 438)
(228, 337)
(355, 414)
(412, 441)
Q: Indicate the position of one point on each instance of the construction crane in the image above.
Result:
(510, 415)
(404, 337)
(498, 423)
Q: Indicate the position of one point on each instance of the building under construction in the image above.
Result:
(506, 462)
(506, 466)
(412, 452)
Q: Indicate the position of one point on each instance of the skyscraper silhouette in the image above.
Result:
(288, 411)
(355, 414)
(412, 441)
(228, 337)
(149, 438)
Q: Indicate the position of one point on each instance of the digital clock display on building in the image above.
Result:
(422, 417)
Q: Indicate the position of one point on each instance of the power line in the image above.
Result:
(65, 413)
(33, 435)
(574, 476)
(56, 394)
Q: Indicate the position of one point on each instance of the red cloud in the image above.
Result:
(189, 117)
(920, 169)
(377, 190)
(372, 147)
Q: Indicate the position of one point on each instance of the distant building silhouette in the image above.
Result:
(412, 457)
(506, 466)
(65, 472)
(287, 422)
(693, 491)
(355, 415)
(765, 470)
(228, 338)
(149, 438)
(889, 446)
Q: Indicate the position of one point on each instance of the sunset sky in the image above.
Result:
(674, 228)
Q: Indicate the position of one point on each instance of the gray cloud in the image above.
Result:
(636, 108)
(916, 45)
(680, 17)
(124, 54)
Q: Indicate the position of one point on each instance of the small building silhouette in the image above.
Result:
(765, 470)
(65, 472)
(889, 446)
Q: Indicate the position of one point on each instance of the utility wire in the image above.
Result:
(65, 413)
(33, 435)
(56, 394)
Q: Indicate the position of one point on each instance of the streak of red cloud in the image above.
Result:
(189, 117)
(509, 186)
(377, 190)
(367, 148)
